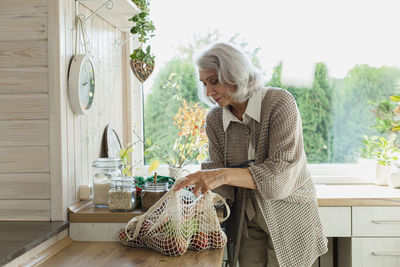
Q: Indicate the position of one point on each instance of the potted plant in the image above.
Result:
(189, 146)
(142, 60)
(385, 156)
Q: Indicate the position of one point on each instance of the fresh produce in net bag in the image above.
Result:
(177, 222)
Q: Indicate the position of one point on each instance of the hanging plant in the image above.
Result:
(142, 61)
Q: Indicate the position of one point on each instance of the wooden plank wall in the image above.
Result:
(85, 132)
(25, 130)
(24, 111)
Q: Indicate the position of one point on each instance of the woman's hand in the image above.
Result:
(204, 181)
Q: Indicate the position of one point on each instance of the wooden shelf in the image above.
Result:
(118, 15)
(86, 212)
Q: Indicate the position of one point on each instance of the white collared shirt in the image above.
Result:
(253, 111)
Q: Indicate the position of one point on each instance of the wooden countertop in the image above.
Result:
(357, 195)
(327, 195)
(115, 254)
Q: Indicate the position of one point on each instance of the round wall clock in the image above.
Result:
(81, 84)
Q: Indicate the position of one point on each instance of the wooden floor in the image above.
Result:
(114, 254)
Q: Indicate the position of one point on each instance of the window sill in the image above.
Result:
(320, 173)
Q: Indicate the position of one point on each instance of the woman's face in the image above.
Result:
(215, 89)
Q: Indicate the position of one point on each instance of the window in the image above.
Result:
(340, 60)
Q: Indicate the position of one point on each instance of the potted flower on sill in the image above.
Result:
(191, 143)
(385, 156)
(142, 61)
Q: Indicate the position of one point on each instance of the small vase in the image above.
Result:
(367, 168)
(382, 172)
(177, 173)
(394, 176)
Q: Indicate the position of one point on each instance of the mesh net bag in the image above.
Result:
(177, 222)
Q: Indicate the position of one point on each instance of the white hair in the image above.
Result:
(233, 68)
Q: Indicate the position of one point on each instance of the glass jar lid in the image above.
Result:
(158, 187)
(122, 182)
(107, 163)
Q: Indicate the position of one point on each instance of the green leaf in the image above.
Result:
(148, 141)
(395, 98)
(133, 30)
(201, 156)
(154, 166)
(396, 128)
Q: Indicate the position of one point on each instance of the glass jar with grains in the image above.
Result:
(104, 169)
(122, 194)
(152, 192)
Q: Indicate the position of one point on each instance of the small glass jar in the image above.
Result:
(104, 169)
(122, 194)
(394, 176)
(152, 192)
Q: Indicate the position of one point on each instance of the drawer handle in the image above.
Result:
(385, 222)
(385, 253)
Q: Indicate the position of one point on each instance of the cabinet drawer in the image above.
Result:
(376, 221)
(373, 252)
(336, 221)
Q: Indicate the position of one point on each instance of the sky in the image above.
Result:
(340, 33)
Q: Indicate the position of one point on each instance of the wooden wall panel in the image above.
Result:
(24, 107)
(24, 133)
(23, 8)
(57, 123)
(23, 54)
(24, 186)
(36, 47)
(24, 159)
(19, 81)
(24, 110)
(23, 28)
(24, 210)
(69, 51)
(85, 133)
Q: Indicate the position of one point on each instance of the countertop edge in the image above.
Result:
(33, 244)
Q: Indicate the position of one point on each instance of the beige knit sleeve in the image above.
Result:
(216, 160)
(276, 176)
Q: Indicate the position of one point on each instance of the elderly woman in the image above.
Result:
(257, 162)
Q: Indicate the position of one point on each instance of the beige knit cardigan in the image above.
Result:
(285, 191)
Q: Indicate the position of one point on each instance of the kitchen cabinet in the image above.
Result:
(365, 222)
(375, 236)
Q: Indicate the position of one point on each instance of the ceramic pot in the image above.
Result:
(382, 172)
(177, 173)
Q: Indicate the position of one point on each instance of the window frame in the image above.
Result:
(320, 173)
